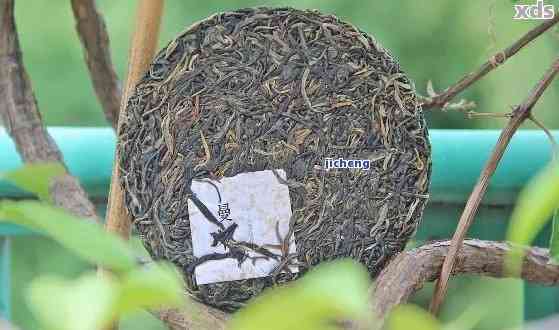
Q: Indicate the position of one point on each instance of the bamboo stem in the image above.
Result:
(142, 50)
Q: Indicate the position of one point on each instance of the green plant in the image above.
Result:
(90, 301)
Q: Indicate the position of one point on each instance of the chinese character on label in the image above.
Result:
(224, 212)
(249, 244)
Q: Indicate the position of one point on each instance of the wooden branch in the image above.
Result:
(519, 115)
(142, 50)
(195, 317)
(442, 100)
(144, 42)
(95, 41)
(410, 270)
(20, 114)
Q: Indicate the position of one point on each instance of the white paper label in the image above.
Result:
(260, 206)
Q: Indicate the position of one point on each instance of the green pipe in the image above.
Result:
(458, 157)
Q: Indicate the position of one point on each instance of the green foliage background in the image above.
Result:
(434, 39)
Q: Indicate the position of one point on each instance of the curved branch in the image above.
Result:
(95, 41)
(409, 271)
(196, 317)
(21, 116)
(442, 100)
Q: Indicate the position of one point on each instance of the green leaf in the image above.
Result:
(151, 287)
(35, 178)
(405, 317)
(83, 304)
(92, 301)
(554, 241)
(480, 303)
(87, 239)
(332, 292)
(535, 206)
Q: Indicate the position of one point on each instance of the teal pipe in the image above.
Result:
(88, 152)
(458, 157)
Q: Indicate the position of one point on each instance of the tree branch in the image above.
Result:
(20, 114)
(519, 115)
(442, 100)
(142, 51)
(410, 270)
(95, 41)
(197, 317)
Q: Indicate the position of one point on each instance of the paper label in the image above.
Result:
(253, 211)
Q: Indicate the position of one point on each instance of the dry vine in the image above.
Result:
(442, 100)
(519, 115)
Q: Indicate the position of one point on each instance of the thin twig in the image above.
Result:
(21, 116)
(519, 115)
(550, 137)
(410, 270)
(442, 100)
(95, 41)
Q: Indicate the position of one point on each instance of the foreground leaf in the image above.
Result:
(35, 178)
(333, 292)
(87, 239)
(535, 206)
(84, 304)
(150, 287)
(405, 317)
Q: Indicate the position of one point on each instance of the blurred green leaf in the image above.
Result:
(87, 239)
(535, 206)
(84, 304)
(150, 287)
(332, 292)
(405, 317)
(35, 178)
(481, 303)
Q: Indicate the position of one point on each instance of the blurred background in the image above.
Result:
(437, 40)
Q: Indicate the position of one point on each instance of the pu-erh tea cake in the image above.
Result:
(262, 142)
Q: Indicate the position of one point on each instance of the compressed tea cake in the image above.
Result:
(262, 142)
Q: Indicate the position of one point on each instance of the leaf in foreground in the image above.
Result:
(534, 208)
(86, 239)
(150, 287)
(84, 304)
(405, 317)
(35, 178)
(331, 293)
